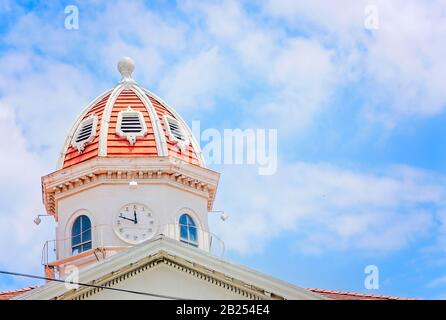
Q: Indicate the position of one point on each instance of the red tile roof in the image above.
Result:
(7, 295)
(331, 294)
(342, 295)
(118, 146)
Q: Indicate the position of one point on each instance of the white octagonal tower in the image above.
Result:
(129, 170)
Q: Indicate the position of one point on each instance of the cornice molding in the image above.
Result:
(154, 170)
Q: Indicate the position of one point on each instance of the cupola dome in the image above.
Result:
(129, 121)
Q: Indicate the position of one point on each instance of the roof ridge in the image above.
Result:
(367, 295)
(18, 290)
(316, 290)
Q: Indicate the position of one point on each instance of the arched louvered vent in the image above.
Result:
(174, 128)
(176, 132)
(131, 125)
(85, 133)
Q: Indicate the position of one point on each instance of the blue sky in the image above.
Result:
(360, 116)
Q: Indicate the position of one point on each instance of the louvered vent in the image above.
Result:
(176, 132)
(131, 125)
(175, 129)
(85, 133)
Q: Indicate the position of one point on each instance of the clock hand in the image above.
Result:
(136, 220)
(125, 218)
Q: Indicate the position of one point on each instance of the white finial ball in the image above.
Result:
(126, 66)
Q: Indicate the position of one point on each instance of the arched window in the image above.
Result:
(188, 230)
(81, 235)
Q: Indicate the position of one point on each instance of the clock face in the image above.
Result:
(134, 223)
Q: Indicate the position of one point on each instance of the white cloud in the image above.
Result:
(46, 96)
(323, 207)
(303, 76)
(438, 282)
(20, 199)
(197, 82)
(149, 38)
(402, 63)
(406, 59)
(296, 74)
(100, 40)
(227, 23)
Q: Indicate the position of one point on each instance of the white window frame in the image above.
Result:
(188, 227)
(80, 146)
(182, 144)
(81, 244)
(131, 136)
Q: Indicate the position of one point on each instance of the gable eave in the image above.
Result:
(176, 254)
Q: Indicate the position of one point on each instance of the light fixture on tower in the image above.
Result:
(37, 220)
(133, 185)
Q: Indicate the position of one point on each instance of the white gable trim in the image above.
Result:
(163, 258)
(182, 254)
(103, 136)
(160, 139)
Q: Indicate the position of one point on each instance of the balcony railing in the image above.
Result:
(103, 239)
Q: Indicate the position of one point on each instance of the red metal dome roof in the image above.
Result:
(129, 121)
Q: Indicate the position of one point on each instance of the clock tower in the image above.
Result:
(130, 170)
